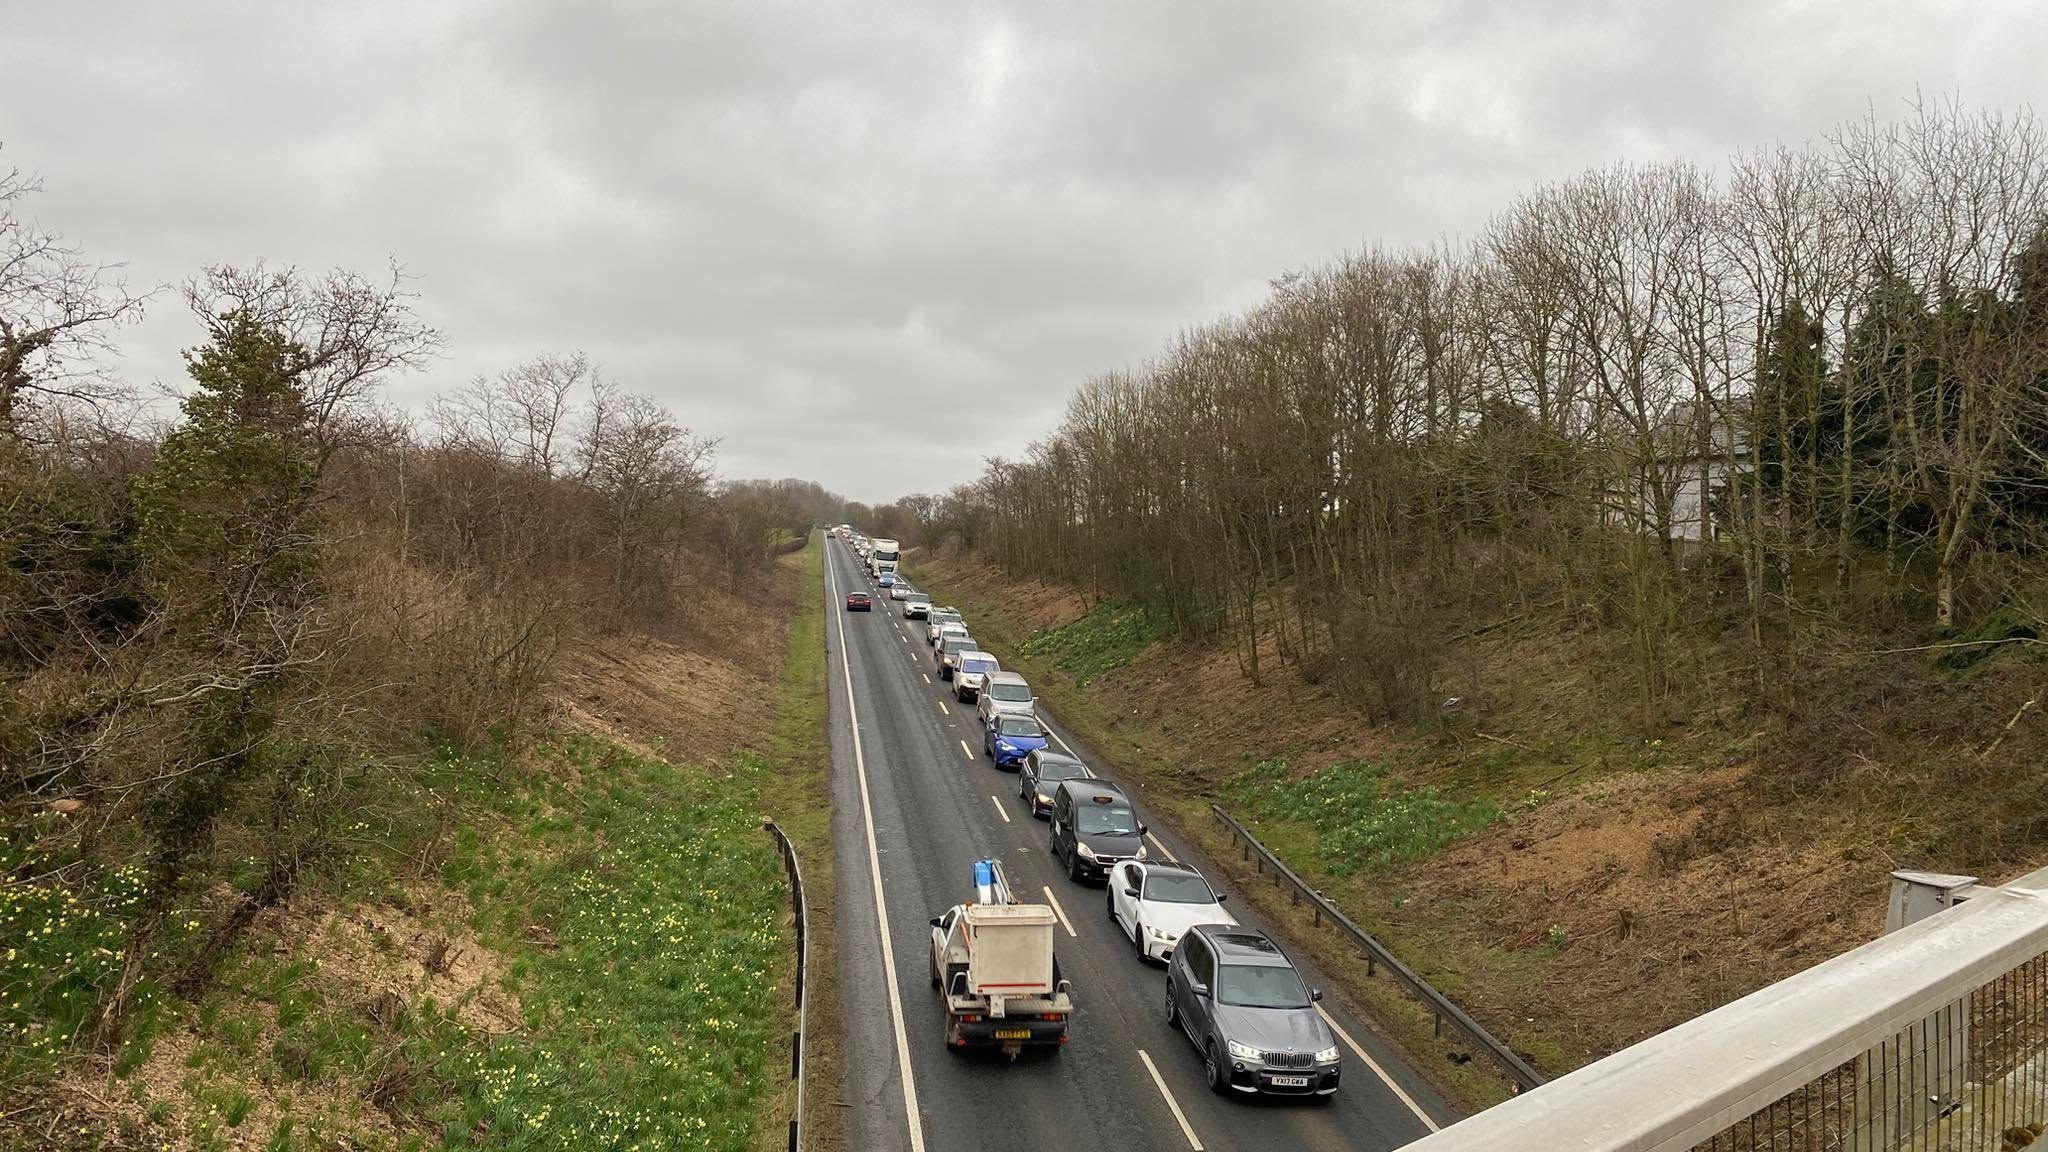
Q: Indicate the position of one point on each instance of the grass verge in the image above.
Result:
(798, 797)
(581, 948)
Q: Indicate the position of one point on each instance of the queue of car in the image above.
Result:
(1230, 989)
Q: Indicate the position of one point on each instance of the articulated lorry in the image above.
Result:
(993, 962)
(882, 557)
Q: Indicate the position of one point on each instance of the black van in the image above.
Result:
(1094, 828)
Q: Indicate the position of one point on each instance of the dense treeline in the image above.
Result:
(219, 636)
(1809, 390)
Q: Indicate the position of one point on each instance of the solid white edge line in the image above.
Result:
(1000, 810)
(966, 751)
(1062, 912)
(1156, 843)
(1186, 1129)
(1163, 849)
(1376, 1069)
(912, 1118)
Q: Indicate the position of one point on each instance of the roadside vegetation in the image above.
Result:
(308, 837)
(1600, 609)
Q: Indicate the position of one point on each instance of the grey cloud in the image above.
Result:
(786, 220)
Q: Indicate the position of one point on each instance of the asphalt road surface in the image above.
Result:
(915, 803)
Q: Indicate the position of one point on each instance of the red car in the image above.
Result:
(859, 602)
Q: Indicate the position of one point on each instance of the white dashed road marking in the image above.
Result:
(1055, 901)
(1186, 1129)
(1000, 810)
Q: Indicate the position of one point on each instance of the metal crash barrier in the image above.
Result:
(800, 910)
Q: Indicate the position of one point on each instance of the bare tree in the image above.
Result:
(58, 310)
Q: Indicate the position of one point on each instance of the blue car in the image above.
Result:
(886, 580)
(1011, 736)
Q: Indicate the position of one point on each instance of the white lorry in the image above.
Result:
(992, 961)
(882, 557)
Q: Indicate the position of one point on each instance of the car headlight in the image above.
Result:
(1085, 851)
(1140, 854)
(1327, 1055)
(1158, 935)
(1005, 746)
(1242, 1051)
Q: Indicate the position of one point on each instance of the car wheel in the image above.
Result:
(1074, 869)
(1172, 1009)
(1109, 901)
(934, 966)
(1219, 1081)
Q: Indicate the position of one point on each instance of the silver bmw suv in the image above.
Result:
(1238, 997)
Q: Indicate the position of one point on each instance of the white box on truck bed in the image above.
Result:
(1009, 949)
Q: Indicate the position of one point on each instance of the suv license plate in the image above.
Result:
(1290, 1081)
(1013, 1033)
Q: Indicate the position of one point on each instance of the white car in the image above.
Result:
(916, 605)
(1005, 692)
(899, 591)
(1155, 903)
(936, 619)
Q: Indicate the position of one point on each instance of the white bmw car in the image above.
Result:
(1154, 903)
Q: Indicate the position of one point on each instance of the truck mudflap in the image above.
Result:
(1024, 1024)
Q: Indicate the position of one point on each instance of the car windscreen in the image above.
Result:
(1178, 888)
(961, 643)
(1013, 693)
(1018, 726)
(1105, 820)
(977, 665)
(1259, 986)
(1061, 768)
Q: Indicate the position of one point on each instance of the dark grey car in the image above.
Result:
(1238, 997)
(949, 652)
(1042, 772)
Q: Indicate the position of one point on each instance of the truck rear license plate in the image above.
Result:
(1025, 1034)
(1290, 1081)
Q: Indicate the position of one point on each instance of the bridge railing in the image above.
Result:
(1933, 1038)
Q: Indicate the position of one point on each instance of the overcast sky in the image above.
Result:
(871, 245)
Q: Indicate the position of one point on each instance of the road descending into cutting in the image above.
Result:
(915, 803)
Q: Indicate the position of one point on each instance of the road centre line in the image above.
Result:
(966, 751)
(1186, 1129)
(1061, 911)
(1376, 1069)
(1000, 810)
(910, 1111)
(927, 676)
(943, 710)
